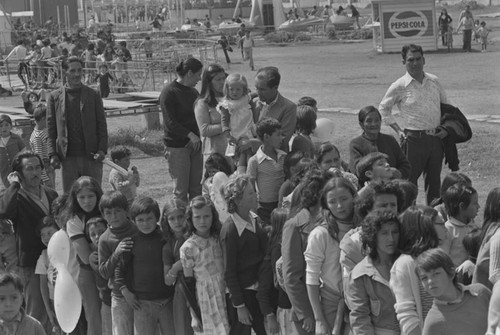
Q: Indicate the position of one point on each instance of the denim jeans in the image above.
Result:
(185, 167)
(90, 300)
(106, 319)
(154, 313)
(73, 167)
(122, 316)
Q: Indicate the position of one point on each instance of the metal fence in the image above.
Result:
(140, 74)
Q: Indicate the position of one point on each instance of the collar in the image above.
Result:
(261, 155)
(367, 268)
(462, 288)
(4, 141)
(242, 224)
(407, 79)
(455, 222)
(272, 102)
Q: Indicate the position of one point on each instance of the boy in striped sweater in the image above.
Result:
(38, 144)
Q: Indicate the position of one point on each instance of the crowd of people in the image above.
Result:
(268, 228)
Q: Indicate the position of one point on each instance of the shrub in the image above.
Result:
(331, 33)
(300, 36)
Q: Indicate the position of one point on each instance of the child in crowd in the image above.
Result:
(244, 244)
(290, 163)
(449, 38)
(483, 36)
(461, 202)
(214, 163)
(45, 270)
(308, 101)
(236, 115)
(30, 100)
(247, 45)
(373, 167)
(95, 227)
(224, 43)
(38, 144)
(116, 240)
(13, 319)
(125, 184)
(306, 123)
(203, 268)
(449, 180)
(82, 204)
(265, 168)
(147, 44)
(409, 192)
(139, 273)
(328, 158)
(273, 301)
(471, 242)
(456, 309)
(10, 145)
(104, 78)
(173, 226)
(90, 58)
(476, 36)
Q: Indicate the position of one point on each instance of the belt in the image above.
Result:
(420, 133)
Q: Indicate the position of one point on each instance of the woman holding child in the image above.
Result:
(372, 140)
(207, 116)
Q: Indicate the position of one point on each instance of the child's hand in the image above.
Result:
(196, 324)
(125, 245)
(272, 324)
(131, 299)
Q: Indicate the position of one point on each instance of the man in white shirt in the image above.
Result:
(19, 54)
(418, 96)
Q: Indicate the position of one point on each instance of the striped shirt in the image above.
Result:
(419, 103)
(268, 174)
(38, 144)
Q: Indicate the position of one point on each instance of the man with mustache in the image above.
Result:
(26, 202)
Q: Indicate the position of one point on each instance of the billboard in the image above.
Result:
(408, 24)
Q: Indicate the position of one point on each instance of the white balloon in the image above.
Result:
(324, 129)
(219, 179)
(59, 248)
(67, 300)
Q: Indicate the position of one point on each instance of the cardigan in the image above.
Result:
(387, 144)
(404, 285)
(243, 256)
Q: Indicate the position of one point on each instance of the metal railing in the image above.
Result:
(139, 74)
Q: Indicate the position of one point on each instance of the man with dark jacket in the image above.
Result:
(26, 202)
(76, 127)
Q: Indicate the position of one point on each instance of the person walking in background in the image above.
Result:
(467, 22)
(444, 22)
(247, 44)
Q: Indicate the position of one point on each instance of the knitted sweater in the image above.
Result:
(108, 259)
(469, 316)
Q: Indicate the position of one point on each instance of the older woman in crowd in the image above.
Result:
(372, 140)
(207, 117)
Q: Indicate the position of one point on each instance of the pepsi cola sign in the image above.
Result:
(408, 24)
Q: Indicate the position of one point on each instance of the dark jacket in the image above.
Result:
(26, 215)
(93, 120)
(459, 131)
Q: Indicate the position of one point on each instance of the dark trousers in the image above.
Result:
(23, 67)
(467, 40)
(238, 328)
(228, 60)
(425, 154)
